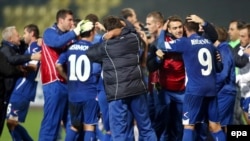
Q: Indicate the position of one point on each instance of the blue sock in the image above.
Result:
(89, 136)
(71, 135)
(188, 135)
(23, 133)
(219, 136)
(15, 135)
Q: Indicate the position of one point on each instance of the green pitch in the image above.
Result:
(32, 124)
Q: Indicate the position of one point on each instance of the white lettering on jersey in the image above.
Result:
(199, 41)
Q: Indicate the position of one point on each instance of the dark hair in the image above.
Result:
(246, 26)
(222, 33)
(62, 13)
(126, 12)
(191, 26)
(33, 28)
(86, 34)
(112, 22)
(239, 23)
(174, 18)
(92, 17)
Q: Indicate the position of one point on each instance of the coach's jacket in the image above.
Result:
(10, 58)
(14, 57)
(121, 67)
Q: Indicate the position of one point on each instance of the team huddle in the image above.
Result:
(173, 80)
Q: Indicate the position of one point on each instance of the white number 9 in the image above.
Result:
(205, 60)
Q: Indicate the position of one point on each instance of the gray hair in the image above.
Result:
(8, 32)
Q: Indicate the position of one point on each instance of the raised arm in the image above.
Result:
(207, 30)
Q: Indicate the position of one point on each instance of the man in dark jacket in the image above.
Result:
(7, 70)
(11, 51)
(123, 79)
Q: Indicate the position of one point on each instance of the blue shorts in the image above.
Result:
(226, 108)
(245, 105)
(199, 108)
(18, 110)
(84, 112)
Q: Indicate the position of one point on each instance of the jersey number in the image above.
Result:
(205, 60)
(76, 71)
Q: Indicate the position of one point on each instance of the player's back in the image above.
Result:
(82, 74)
(199, 58)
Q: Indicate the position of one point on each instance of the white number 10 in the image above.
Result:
(205, 61)
(76, 68)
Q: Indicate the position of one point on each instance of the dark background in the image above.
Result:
(219, 12)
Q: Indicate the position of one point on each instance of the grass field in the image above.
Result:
(32, 124)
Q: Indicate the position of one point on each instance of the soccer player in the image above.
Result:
(82, 79)
(55, 40)
(123, 79)
(225, 80)
(200, 96)
(103, 104)
(102, 128)
(25, 88)
(171, 70)
(154, 24)
(98, 27)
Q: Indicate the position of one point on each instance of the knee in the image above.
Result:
(214, 126)
(11, 124)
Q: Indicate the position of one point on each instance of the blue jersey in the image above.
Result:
(225, 80)
(199, 59)
(97, 38)
(26, 86)
(82, 74)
